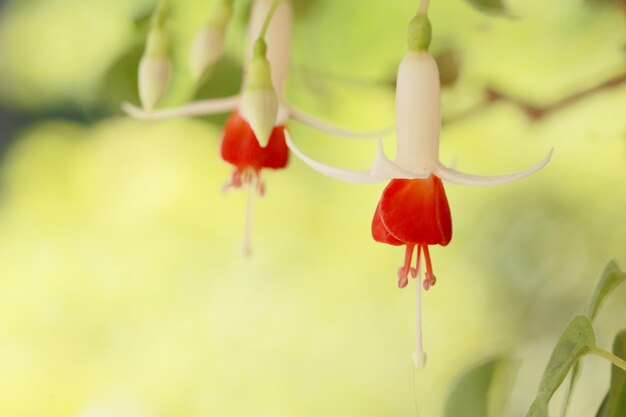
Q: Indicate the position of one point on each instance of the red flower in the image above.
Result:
(413, 212)
(241, 148)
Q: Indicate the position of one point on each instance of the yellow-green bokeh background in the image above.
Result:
(122, 289)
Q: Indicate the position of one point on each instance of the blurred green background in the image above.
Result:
(122, 289)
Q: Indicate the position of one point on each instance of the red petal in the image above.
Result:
(416, 211)
(380, 233)
(241, 148)
(276, 153)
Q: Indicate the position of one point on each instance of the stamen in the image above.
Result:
(419, 356)
(260, 184)
(235, 181)
(429, 279)
(246, 247)
(403, 271)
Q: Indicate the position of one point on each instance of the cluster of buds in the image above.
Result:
(413, 210)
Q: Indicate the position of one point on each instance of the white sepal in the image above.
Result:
(206, 50)
(383, 169)
(331, 129)
(154, 77)
(196, 108)
(260, 109)
(456, 177)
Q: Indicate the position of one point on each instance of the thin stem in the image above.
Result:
(158, 17)
(619, 362)
(423, 7)
(268, 18)
(195, 108)
(246, 247)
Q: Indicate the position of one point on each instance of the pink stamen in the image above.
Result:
(260, 185)
(403, 271)
(245, 176)
(429, 277)
(235, 181)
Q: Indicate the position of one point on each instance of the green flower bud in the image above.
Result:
(419, 33)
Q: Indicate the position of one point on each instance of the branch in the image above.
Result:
(533, 111)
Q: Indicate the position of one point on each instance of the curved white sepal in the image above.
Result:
(456, 177)
(331, 129)
(196, 108)
(383, 168)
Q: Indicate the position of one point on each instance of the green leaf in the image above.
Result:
(482, 390)
(490, 6)
(614, 404)
(570, 388)
(611, 278)
(576, 341)
(119, 83)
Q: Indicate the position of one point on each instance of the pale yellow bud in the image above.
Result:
(206, 50)
(154, 76)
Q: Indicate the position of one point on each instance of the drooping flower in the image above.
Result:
(241, 148)
(413, 210)
(254, 136)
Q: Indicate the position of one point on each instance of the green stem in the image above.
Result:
(268, 18)
(423, 7)
(159, 15)
(620, 363)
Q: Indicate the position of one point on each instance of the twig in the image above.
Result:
(535, 112)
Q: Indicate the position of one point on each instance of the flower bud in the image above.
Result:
(154, 69)
(208, 45)
(207, 49)
(260, 102)
(419, 33)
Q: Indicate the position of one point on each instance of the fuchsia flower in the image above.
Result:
(413, 210)
(241, 148)
(413, 213)
(254, 135)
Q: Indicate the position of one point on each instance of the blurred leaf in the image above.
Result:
(570, 388)
(611, 278)
(621, 3)
(481, 391)
(223, 80)
(614, 405)
(143, 16)
(303, 7)
(576, 341)
(120, 80)
(449, 64)
(490, 6)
